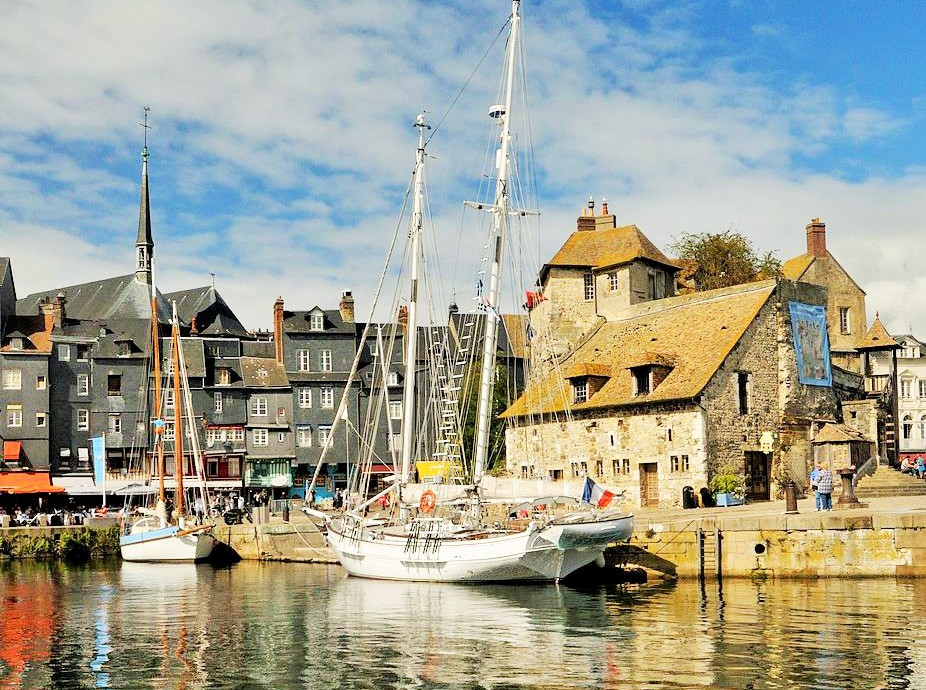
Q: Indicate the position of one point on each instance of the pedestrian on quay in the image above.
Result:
(814, 481)
(825, 487)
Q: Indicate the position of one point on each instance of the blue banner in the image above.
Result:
(811, 344)
(98, 449)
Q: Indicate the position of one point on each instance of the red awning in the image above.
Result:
(11, 450)
(28, 483)
(381, 469)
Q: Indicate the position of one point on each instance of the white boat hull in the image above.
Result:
(494, 556)
(166, 545)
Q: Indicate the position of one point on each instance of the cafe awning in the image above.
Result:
(11, 450)
(27, 483)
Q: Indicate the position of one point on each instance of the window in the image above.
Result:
(218, 404)
(114, 384)
(923, 426)
(14, 415)
(259, 407)
(580, 391)
(261, 437)
(223, 376)
(281, 437)
(845, 326)
(304, 436)
(169, 397)
(324, 431)
(234, 467)
(395, 409)
(317, 322)
(616, 466)
(12, 379)
(64, 353)
(41, 419)
(115, 424)
(168, 431)
(41, 383)
(83, 384)
(374, 352)
(679, 463)
(599, 468)
(579, 469)
(907, 427)
(83, 420)
(394, 442)
(303, 358)
(324, 360)
(392, 378)
(905, 388)
(83, 353)
(305, 397)
(923, 388)
(16, 343)
(626, 465)
(613, 284)
(327, 396)
(641, 380)
(669, 435)
(589, 284)
(742, 387)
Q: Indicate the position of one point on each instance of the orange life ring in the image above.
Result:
(427, 502)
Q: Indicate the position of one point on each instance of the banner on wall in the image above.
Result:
(811, 344)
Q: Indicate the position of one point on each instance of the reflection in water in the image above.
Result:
(300, 626)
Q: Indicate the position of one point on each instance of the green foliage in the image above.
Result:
(71, 544)
(501, 400)
(715, 260)
(728, 481)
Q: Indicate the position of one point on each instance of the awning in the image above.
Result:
(381, 469)
(27, 483)
(11, 450)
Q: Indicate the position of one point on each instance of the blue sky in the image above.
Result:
(281, 139)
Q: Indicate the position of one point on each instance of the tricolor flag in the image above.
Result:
(596, 495)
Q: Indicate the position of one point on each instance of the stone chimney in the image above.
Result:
(53, 311)
(346, 306)
(403, 318)
(816, 237)
(278, 329)
(589, 221)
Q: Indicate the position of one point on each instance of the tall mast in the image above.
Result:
(411, 330)
(500, 220)
(178, 416)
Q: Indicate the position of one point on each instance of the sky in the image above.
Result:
(282, 138)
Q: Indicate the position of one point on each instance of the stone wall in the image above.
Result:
(842, 292)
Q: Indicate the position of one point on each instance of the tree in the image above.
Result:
(714, 260)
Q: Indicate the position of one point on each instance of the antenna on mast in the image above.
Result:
(147, 127)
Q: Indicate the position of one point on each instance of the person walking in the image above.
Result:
(825, 487)
(814, 480)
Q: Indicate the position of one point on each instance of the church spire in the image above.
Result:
(144, 244)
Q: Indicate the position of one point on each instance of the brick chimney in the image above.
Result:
(589, 221)
(278, 329)
(53, 311)
(346, 306)
(816, 237)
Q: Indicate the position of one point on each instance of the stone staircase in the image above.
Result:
(887, 481)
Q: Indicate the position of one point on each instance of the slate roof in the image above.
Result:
(606, 247)
(137, 332)
(122, 297)
(694, 333)
(299, 322)
(194, 354)
(877, 338)
(258, 348)
(263, 372)
(212, 313)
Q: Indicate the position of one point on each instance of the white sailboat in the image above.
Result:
(156, 535)
(423, 547)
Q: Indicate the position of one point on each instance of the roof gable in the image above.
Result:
(605, 247)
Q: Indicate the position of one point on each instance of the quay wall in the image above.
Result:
(825, 544)
(276, 541)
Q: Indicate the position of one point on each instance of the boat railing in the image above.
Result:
(424, 535)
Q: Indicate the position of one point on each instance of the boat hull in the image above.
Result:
(168, 545)
(534, 554)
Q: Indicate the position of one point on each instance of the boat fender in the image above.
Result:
(427, 502)
(600, 561)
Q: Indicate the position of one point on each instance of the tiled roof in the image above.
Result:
(795, 267)
(33, 329)
(262, 372)
(694, 333)
(212, 313)
(838, 433)
(514, 334)
(877, 338)
(607, 247)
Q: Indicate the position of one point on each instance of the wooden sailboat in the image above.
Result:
(156, 535)
(429, 548)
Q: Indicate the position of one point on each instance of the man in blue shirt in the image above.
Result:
(814, 485)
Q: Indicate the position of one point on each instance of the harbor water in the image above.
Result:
(276, 625)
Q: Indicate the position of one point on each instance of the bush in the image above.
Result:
(728, 481)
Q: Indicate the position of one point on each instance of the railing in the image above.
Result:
(877, 383)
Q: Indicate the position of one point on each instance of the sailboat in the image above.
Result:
(156, 535)
(416, 545)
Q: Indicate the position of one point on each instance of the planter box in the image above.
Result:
(724, 500)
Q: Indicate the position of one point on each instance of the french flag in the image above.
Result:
(596, 495)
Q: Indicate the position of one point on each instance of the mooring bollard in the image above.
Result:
(790, 497)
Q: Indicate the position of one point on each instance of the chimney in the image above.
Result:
(194, 329)
(57, 309)
(604, 207)
(589, 221)
(403, 318)
(816, 237)
(278, 329)
(346, 306)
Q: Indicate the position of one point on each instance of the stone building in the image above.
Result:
(658, 393)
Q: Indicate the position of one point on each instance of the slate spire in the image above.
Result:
(144, 243)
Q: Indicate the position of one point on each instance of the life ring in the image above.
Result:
(427, 502)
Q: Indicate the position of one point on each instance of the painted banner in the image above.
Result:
(811, 344)
(98, 449)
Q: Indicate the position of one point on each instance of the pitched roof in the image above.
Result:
(795, 267)
(299, 321)
(263, 372)
(877, 338)
(32, 328)
(515, 334)
(607, 246)
(212, 313)
(694, 333)
(837, 433)
(122, 297)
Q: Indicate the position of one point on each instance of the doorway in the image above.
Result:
(649, 485)
(757, 472)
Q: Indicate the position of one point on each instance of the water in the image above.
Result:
(253, 625)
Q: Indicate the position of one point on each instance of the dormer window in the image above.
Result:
(16, 343)
(642, 380)
(580, 390)
(587, 379)
(317, 322)
(223, 376)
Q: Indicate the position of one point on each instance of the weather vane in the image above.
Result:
(147, 127)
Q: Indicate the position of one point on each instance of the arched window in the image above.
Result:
(923, 426)
(907, 426)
